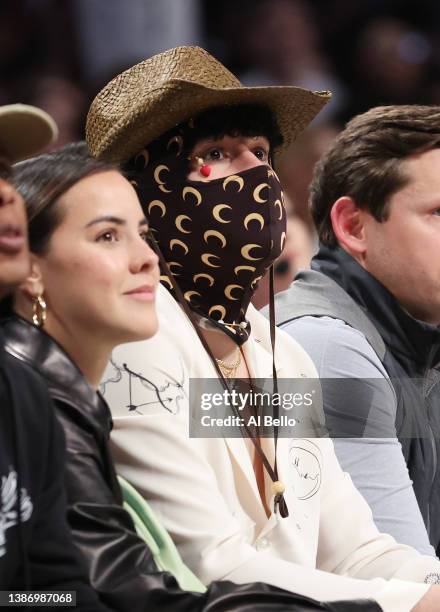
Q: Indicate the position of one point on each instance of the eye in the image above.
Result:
(214, 154)
(108, 236)
(437, 212)
(261, 154)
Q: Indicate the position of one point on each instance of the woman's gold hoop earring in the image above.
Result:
(39, 311)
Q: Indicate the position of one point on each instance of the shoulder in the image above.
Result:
(38, 428)
(29, 387)
(337, 349)
(358, 394)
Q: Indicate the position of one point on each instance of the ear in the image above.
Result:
(348, 226)
(33, 285)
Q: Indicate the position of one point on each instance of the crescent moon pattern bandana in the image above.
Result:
(218, 237)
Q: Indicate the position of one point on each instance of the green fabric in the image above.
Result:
(162, 547)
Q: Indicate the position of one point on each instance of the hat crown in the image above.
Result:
(190, 64)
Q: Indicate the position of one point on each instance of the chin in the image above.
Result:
(144, 330)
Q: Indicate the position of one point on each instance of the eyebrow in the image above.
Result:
(112, 219)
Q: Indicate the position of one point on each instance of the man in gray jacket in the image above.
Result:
(369, 309)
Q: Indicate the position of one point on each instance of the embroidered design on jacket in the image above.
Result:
(145, 393)
(8, 507)
(306, 475)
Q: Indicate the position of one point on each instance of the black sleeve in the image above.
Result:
(121, 567)
(54, 562)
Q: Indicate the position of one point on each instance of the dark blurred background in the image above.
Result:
(58, 54)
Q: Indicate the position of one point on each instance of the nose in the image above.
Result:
(8, 195)
(143, 258)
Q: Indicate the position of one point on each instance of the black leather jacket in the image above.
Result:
(36, 547)
(120, 565)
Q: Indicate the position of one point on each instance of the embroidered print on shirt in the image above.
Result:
(8, 507)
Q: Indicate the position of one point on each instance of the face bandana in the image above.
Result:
(218, 237)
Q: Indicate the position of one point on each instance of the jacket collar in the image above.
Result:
(415, 340)
(66, 382)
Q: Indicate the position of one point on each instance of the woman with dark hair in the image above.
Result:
(36, 549)
(92, 286)
(242, 503)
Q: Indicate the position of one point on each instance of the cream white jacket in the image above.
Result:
(205, 492)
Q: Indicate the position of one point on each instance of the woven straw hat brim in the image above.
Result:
(24, 131)
(115, 131)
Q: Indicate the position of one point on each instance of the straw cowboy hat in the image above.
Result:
(150, 98)
(24, 131)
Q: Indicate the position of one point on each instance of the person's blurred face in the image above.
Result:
(403, 252)
(228, 155)
(14, 253)
(99, 275)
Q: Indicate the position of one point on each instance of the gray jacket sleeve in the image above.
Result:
(360, 408)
